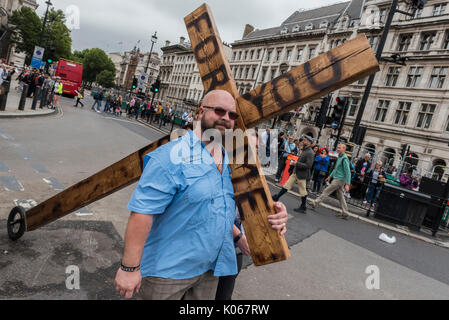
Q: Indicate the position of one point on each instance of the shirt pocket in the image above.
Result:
(198, 182)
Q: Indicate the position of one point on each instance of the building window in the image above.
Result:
(312, 53)
(404, 42)
(299, 56)
(414, 76)
(269, 55)
(446, 40)
(252, 55)
(425, 116)
(427, 40)
(438, 77)
(382, 15)
(264, 74)
(289, 54)
(447, 125)
(259, 52)
(373, 40)
(392, 76)
(239, 54)
(253, 73)
(382, 110)
(273, 74)
(402, 113)
(353, 107)
(278, 55)
(439, 9)
(361, 81)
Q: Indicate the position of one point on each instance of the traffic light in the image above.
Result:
(321, 117)
(338, 113)
(51, 55)
(156, 86)
(134, 83)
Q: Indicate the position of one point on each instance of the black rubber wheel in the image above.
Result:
(16, 223)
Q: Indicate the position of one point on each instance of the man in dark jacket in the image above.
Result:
(301, 175)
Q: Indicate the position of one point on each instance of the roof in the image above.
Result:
(314, 18)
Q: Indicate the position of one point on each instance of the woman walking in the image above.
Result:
(320, 170)
(80, 95)
(58, 92)
(375, 178)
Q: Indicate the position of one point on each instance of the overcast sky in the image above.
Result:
(106, 23)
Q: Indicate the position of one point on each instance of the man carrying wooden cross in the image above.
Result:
(180, 234)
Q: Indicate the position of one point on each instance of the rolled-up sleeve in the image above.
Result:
(155, 190)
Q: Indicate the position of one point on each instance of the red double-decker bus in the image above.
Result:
(71, 74)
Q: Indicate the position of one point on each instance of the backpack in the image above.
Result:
(97, 96)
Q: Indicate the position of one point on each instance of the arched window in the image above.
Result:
(438, 169)
(296, 28)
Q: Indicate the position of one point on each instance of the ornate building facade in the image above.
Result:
(408, 105)
(7, 7)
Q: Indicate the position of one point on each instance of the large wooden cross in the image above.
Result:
(333, 70)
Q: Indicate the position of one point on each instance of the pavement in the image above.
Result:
(12, 106)
(331, 258)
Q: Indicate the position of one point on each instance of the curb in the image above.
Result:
(153, 127)
(27, 115)
(379, 224)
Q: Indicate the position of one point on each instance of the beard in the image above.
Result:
(217, 125)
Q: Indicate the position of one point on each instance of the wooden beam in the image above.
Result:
(118, 176)
(252, 194)
(343, 65)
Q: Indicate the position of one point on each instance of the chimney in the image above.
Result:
(248, 29)
(181, 40)
(167, 43)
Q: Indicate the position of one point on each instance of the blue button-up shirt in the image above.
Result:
(193, 207)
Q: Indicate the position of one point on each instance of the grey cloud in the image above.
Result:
(105, 23)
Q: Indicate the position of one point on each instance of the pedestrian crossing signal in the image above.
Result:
(134, 83)
(156, 86)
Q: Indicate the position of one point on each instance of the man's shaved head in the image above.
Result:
(222, 97)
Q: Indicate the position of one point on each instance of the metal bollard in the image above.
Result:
(23, 97)
(44, 99)
(4, 97)
(37, 92)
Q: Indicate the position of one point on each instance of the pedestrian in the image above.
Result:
(179, 237)
(320, 168)
(300, 175)
(289, 148)
(342, 180)
(100, 101)
(406, 179)
(184, 117)
(359, 186)
(79, 96)
(266, 145)
(375, 179)
(58, 92)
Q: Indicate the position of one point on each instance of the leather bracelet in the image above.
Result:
(129, 269)
(237, 239)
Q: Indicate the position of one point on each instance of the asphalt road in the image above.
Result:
(41, 156)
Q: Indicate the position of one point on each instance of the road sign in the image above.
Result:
(37, 63)
(38, 52)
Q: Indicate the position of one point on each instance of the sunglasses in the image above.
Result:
(222, 112)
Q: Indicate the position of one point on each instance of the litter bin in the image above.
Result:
(402, 206)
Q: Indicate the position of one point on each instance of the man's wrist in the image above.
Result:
(237, 239)
(129, 269)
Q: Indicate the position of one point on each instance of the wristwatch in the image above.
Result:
(129, 269)
(237, 239)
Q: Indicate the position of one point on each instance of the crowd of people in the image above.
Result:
(365, 178)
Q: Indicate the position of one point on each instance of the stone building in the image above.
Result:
(7, 7)
(136, 64)
(408, 105)
(180, 77)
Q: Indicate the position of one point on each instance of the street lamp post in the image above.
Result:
(416, 4)
(153, 41)
(48, 3)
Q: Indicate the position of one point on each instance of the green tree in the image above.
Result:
(106, 78)
(57, 35)
(95, 61)
(27, 33)
(27, 27)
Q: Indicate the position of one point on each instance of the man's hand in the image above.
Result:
(243, 246)
(280, 219)
(347, 188)
(328, 179)
(126, 283)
